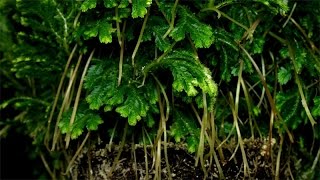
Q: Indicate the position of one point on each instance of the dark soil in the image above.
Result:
(97, 163)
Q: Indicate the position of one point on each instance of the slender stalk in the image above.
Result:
(112, 135)
(264, 75)
(65, 101)
(226, 16)
(246, 168)
(213, 139)
(46, 139)
(249, 105)
(145, 155)
(316, 160)
(121, 53)
(202, 135)
(77, 153)
(163, 130)
(76, 20)
(235, 109)
(270, 99)
(283, 41)
(278, 158)
(303, 98)
(76, 103)
(173, 17)
(290, 15)
(140, 36)
(133, 152)
(118, 26)
(89, 163)
(46, 165)
(116, 160)
(234, 152)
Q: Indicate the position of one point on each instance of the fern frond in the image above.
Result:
(128, 100)
(289, 104)
(110, 3)
(200, 33)
(85, 118)
(284, 76)
(316, 107)
(88, 4)
(188, 73)
(139, 7)
(103, 27)
(185, 128)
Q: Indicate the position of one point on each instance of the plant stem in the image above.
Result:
(116, 159)
(173, 17)
(314, 164)
(140, 36)
(46, 139)
(53, 176)
(270, 99)
(278, 158)
(246, 168)
(76, 103)
(290, 15)
(203, 124)
(118, 26)
(226, 16)
(65, 101)
(77, 153)
(121, 53)
(164, 118)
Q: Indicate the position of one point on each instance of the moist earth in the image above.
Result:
(96, 163)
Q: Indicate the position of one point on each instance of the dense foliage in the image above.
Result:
(195, 72)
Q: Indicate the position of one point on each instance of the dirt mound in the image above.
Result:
(97, 162)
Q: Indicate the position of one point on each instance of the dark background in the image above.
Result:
(15, 162)
(15, 151)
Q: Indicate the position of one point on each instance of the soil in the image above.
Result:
(96, 163)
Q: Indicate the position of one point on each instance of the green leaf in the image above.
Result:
(134, 107)
(300, 57)
(110, 3)
(85, 118)
(185, 127)
(102, 27)
(105, 32)
(139, 7)
(90, 30)
(284, 76)
(88, 4)
(127, 99)
(258, 44)
(224, 38)
(123, 4)
(316, 107)
(162, 44)
(188, 73)
(200, 33)
(93, 121)
(225, 65)
(275, 5)
(289, 106)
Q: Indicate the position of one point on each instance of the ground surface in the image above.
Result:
(97, 163)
